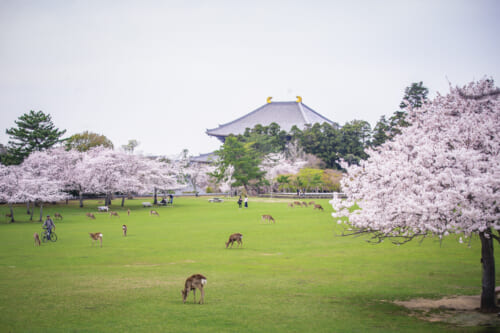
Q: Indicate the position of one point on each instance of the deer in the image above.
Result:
(128, 212)
(113, 214)
(124, 227)
(58, 216)
(297, 203)
(36, 237)
(290, 204)
(90, 215)
(304, 203)
(318, 207)
(311, 203)
(96, 236)
(237, 237)
(193, 282)
(154, 212)
(269, 218)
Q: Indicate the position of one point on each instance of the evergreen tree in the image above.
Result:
(34, 132)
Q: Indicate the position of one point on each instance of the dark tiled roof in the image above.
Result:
(285, 114)
(204, 158)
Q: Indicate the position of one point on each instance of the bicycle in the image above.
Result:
(53, 236)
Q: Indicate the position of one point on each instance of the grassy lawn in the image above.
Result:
(296, 275)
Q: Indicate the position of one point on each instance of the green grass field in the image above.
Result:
(296, 275)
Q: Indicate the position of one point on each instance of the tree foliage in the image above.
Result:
(34, 132)
(86, 140)
(439, 177)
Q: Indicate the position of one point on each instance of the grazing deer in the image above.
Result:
(113, 214)
(318, 207)
(124, 227)
(193, 282)
(311, 203)
(90, 215)
(58, 216)
(237, 237)
(297, 203)
(290, 204)
(304, 203)
(96, 236)
(37, 239)
(269, 218)
(154, 212)
(128, 212)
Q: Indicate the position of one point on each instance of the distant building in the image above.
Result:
(285, 114)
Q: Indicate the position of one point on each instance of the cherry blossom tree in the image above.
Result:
(277, 164)
(441, 176)
(160, 174)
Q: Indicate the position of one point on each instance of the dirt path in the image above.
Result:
(459, 310)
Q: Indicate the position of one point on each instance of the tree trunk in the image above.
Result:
(28, 207)
(11, 214)
(81, 198)
(488, 298)
(155, 201)
(32, 211)
(123, 200)
(41, 211)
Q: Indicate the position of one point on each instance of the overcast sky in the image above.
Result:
(162, 72)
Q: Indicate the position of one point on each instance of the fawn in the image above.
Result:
(113, 214)
(96, 236)
(269, 218)
(153, 212)
(58, 216)
(124, 227)
(193, 282)
(90, 215)
(318, 207)
(237, 237)
(37, 239)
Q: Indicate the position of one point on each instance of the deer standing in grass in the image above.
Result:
(290, 204)
(128, 212)
(37, 239)
(96, 236)
(154, 212)
(192, 283)
(124, 228)
(269, 218)
(311, 203)
(58, 216)
(237, 237)
(318, 207)
(113, 214)
(90, 215)
(297, 203)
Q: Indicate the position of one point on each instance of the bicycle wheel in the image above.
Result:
(44, 237)
(53, 237)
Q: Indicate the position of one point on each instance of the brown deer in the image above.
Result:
(297, 203)
(37, 239)
(124, 227)
(311, 203)
(128, 212)
(96, 236)
(113, 214)
(193, 282)
(90, 215)
(237, 237)
(318, 207)
(269, 218)
(304, 203)
(290, 204)
(58, 216)
(154, 212)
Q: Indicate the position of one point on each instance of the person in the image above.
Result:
(171, 197)
(163, 201)
(246, 201)
(239, 202)
(48, 224)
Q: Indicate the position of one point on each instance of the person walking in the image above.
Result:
(239, 202)
(49, 225)
(246, 201)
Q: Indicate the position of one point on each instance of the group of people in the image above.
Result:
(240, 201)
(170, 200)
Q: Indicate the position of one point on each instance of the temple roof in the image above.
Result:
(285, 114)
